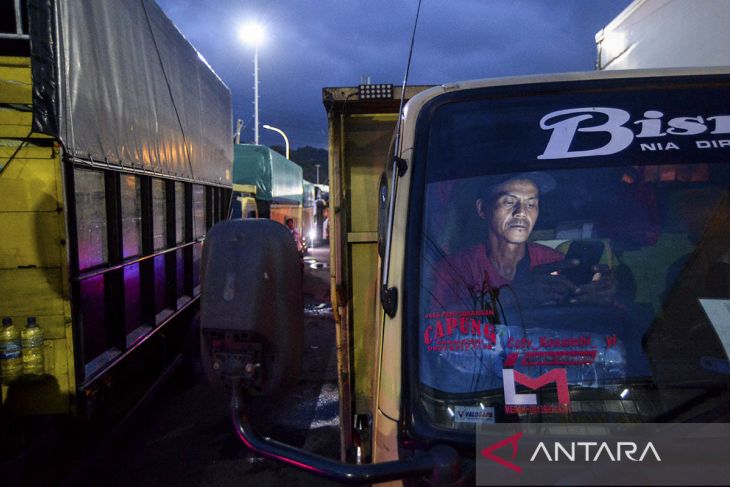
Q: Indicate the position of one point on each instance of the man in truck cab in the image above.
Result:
(510, 209)
(494, 283)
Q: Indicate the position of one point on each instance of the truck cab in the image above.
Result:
(589, 186)
(244, 202)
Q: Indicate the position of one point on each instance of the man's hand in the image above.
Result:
(600, 290)
(545, 285)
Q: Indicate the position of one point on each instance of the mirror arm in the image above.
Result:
(439, 462)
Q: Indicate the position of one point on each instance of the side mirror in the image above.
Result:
(251, 321)
(251, 307)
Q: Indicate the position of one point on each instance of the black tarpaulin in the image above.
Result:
(117, 83)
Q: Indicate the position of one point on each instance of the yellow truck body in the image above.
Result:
(110, 176)
(33, 254)
(360, 137)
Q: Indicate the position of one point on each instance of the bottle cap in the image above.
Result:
(31, 321)
(7, 321)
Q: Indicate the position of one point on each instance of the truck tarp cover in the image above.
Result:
(117, 83)
(276, 178)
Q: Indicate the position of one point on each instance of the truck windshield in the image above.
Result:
(574, 254)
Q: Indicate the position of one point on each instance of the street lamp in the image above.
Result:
(253, 34)
(286, 139)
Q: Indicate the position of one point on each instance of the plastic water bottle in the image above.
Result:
(32, 341)
(11, 362)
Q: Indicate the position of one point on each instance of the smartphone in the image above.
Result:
(588, 254)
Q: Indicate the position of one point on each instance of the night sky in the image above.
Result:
(311, 44)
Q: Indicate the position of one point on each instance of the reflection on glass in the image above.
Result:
(132, 298)
(180, 272)
(160, 284)
(179, 213)
(90, 218)
(197, 253)
(198, 211)
(131, 216)
(159, 214)
(93, 319)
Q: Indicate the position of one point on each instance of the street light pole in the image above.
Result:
(317, 166)
(254, 34)
(256, 94)
(281, 132)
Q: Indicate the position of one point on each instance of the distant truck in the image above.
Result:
(666, 34)
(268, 185)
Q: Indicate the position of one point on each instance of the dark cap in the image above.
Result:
(544, 182)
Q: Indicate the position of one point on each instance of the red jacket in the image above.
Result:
(461, 280)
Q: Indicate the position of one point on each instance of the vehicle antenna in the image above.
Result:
(389, 295)
(405, 81)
